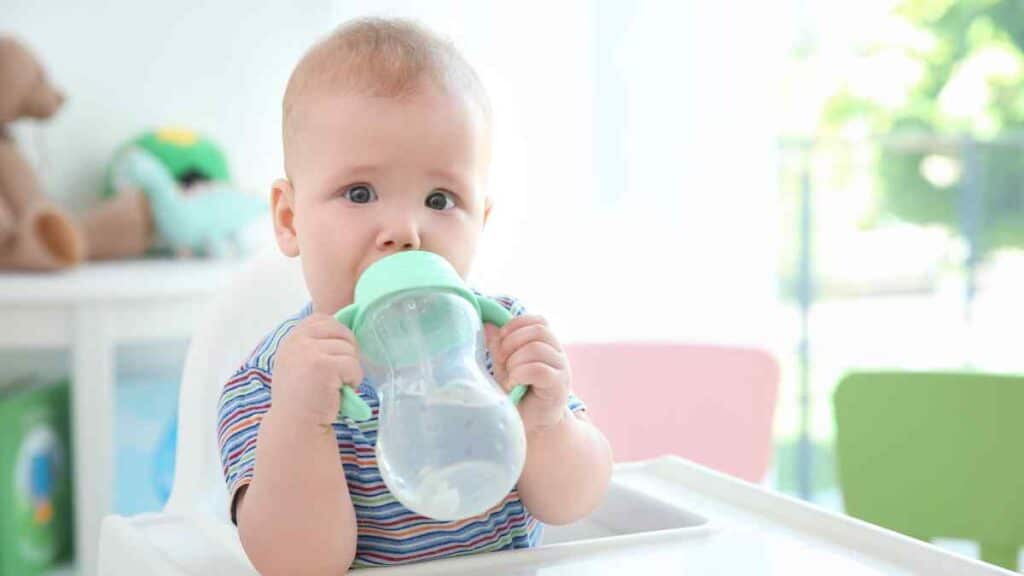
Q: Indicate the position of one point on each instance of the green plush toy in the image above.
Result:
(195, 208)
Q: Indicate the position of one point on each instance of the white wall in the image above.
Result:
(634, 167)
(219, 67)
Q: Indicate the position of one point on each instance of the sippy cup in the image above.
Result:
(450, 442)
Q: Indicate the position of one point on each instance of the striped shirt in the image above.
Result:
(386, 531)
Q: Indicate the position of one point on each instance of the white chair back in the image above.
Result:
(267, 290)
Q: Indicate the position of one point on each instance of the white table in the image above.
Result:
(90, 310)
(666, 516)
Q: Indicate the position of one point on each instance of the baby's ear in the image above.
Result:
(282, 206)
(488, 206)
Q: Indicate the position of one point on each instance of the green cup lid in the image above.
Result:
(393, 276)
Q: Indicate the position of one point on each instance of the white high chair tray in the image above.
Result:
(665, 516)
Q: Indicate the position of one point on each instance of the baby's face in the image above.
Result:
(374, 176)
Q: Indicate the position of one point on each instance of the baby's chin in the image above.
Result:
(332, 303)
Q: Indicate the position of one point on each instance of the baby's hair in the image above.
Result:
(382, 58)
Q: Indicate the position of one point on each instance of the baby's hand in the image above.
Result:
(314, 360)
(525, 351)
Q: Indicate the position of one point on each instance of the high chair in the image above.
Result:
(659, 516)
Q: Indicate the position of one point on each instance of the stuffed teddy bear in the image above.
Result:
(35, 233)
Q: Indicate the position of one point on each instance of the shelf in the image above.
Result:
(115, 280)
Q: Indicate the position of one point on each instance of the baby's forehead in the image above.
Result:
(323, 96)
(346, 115)
(388, 142)
(380, 58)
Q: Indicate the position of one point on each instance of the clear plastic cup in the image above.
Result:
(450, 442)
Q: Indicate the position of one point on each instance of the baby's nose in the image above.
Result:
(391, 245)
(399, 236)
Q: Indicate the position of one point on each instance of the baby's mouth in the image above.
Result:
(362, 270)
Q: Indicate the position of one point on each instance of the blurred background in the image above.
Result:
(838, 185)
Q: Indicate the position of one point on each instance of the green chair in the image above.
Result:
(935, 455)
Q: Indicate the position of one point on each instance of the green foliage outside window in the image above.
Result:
(969, 59)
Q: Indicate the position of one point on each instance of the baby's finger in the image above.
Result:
(337, 347)
(506, 385)
(323, 326)
(350, 372)
(520, 321)
(537, 352)
(492, 339)
(536, 374)
(491, 333)
(524, 335)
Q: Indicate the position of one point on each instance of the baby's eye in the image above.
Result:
(360, 194)
(440, 200)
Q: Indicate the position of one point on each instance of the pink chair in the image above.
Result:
(713, 405)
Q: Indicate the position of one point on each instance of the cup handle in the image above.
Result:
(493, 313)
(352, 405)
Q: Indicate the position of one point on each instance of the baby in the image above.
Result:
(386, 143)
